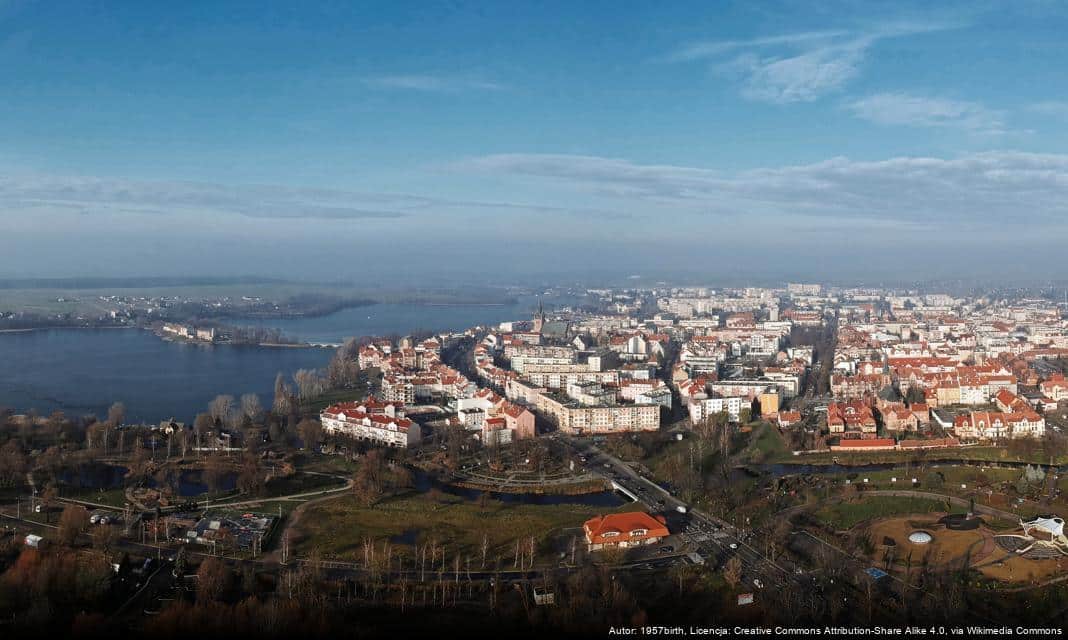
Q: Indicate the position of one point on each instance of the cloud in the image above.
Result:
(164, 198)
(920, 111)
(976, 190)
(1054, 108)
(796, 67)
(91, 196)
(431, 83)
(701, 50)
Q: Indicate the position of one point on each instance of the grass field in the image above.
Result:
(847, 515)
(766, 444)
(338, 528)
(110, 497)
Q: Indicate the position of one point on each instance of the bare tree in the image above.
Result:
(117, 414)
(251, 408)
(311, 432)
(213, 578)
(282, 395)
(222, 409)
(72, 523)
(732, 572)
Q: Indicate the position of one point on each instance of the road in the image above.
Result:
(716, 539)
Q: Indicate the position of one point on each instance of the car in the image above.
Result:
(94, 519)
(734, 545)
(758, 584)
(667, 549)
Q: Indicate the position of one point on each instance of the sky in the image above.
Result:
(461, 141)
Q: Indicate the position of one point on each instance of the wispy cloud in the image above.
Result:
(922, 111)
(980, 189)
(1055, 108)
(98, 196)
(431, 83)
(796, 67)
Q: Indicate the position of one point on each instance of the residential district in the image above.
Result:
(801, 454)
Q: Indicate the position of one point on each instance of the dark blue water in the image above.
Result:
(103, 476)
(82, 371)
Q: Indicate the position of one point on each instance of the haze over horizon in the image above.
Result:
(493, 141)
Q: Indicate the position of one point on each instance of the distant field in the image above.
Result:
(86, 301)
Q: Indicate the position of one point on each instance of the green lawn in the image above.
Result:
(766, 443)
(338, 528)
(846, 515)
(110, 497)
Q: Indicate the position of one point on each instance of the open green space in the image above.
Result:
(110, 497)
(845, 515)
(766, 443)
(338, 528)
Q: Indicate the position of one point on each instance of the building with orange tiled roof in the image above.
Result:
(622, 530)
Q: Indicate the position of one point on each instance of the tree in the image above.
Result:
(344, 368)
(222, 409)
(732, 572)
(213, 578)
(311, 432)
(309, 384)
(202, 425)
(104, 538)
(117, 414)
(72, 523)
(281, 395)
(370, 481)
(12, 464)
(251, 408)
(250, 480)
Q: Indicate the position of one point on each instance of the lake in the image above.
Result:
(82, 371)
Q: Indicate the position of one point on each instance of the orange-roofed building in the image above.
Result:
(622, 530)
(870, 444)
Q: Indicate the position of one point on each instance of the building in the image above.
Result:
(854, 415)
(867, 444)
(623, 530)
(353, 419)
(994, 425)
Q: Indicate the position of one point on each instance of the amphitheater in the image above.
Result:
(1039, 539)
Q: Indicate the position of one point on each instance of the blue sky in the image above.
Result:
(193, 137)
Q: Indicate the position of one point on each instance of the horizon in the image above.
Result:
(390, 142)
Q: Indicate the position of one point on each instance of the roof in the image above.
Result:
(624, 527)
(865, 444)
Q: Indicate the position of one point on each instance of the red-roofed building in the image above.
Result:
(622, 530)
(351, 419)
(869, 444)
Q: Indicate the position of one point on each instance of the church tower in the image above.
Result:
(539, 318)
